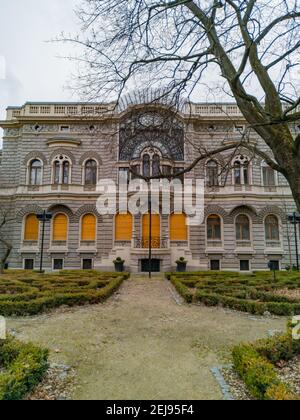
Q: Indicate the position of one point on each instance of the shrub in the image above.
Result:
(255, 365)
(252, 293)
(23, 367)
(45, 292)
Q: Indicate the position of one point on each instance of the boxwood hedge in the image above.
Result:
(254, 293)
(22, 367)
(255, 364)
(29, 293)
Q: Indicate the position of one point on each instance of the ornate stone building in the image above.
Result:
(55, 153)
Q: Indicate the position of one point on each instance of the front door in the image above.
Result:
(155, 230)
(155, 266)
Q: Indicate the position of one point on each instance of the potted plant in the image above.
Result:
(119, 265)
(181, 265)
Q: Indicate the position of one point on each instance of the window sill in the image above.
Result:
(58, 249)
(87, 250)
(215, 250)
(274, 251)
(244, 250)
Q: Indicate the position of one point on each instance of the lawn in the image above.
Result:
(255, 293)
(30, 293)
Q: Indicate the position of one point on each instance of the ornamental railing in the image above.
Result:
(156, 243)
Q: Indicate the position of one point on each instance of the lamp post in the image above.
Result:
(43, 217)
(150, 232)
(294, 219)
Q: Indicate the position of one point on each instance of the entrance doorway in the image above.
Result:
(155, 266)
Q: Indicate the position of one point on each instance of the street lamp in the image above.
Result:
(43, 217)
(295, 220)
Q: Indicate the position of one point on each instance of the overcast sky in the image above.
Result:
(34, 71)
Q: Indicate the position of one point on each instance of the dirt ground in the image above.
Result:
(143, 343)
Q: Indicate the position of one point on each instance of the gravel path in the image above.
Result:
(144, 343)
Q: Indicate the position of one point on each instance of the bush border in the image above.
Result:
(255, 364)
(25, 365)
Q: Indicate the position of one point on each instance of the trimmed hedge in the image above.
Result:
(255, 365)
(252, 293)
(22, 368)
(28, 293)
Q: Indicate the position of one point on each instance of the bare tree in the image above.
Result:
(5, 218)
(252, 46)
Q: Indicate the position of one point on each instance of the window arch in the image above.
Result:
(90, 172)
(35, 172)
(31, 228)
(242, 227)
(60, 228)
(241, 171)
(62, 170)
(214, 228)
(123, 227)
(212, 173)
(178, 227)
(272, 228)
(88, 227)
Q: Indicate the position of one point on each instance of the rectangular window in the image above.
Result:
(274, 265)
(64, 129)
(58, 264)
(268, 177)
(29, 264)
(215, 265)
(87, 264)
(244, 265)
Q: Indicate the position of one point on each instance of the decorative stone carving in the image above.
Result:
(34, 155)
(11, 132)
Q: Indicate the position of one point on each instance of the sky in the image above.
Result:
(35, 69)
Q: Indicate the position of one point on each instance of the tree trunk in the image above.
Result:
(292, 169)
(6, 255)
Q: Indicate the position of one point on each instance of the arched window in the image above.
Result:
(178, 227)
(146, 165)
(88, 228)
(90, 172)
(268, 175)
(61, 170)
(156, 165)
(60, 228)
(31, 230)
(214, 228)
(272, 228)
(155, 230)
(123, 227)
(35, 172)
(242, 227)
(212, 173)
(241, 171)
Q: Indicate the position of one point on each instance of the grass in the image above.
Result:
(29, 293)
(22, 366)
(255, 293)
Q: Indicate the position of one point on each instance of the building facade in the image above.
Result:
(54, 154)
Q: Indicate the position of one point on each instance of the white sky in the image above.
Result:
(34, 69)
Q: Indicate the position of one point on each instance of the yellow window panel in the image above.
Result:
(124, 227)
(155, 230)
(88, 229)
(60, 228)
(31, 228)
(178, 227)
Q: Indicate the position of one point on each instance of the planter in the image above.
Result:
(119, 265)
(181, 267)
